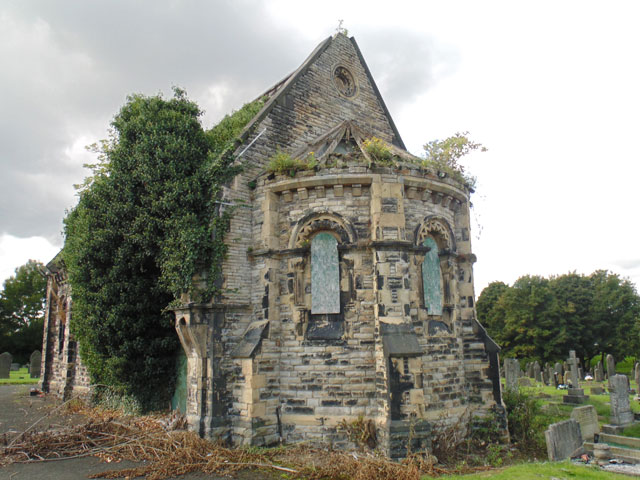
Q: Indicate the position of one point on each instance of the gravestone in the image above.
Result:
(15, 367)
(557, 368)
(524, 382)
(599, 372)
(566, 378)
(597, 391)
(35, 361)
(611, 366)
(587, 417)
(620, 408)
(545, 376)
(530, 370)
(636, 375)
(556, 379)
(563, 439)
(5, 364)
(511, 373)
(580, 373)
(574, 394)
(565, 366)
(536, 372)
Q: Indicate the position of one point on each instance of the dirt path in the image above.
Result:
(19, 410)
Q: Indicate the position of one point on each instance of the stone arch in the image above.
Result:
(313, 223)
(437, 228)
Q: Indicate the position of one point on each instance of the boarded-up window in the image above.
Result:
(431, 279)
(325, 274)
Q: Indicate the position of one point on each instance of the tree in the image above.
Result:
(543, 319)
(447, 153)
(22, 311)
(145, 225)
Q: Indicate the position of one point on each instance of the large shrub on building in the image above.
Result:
(145, 224)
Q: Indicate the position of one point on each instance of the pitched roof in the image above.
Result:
(281, 88)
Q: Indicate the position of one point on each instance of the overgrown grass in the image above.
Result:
(527, 471)
(18, 377)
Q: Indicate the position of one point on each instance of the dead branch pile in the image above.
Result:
(163, 451)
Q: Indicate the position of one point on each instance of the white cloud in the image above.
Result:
(15, 252)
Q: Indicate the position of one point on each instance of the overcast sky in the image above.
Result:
(551, 88)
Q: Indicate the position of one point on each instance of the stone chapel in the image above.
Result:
(347, 290)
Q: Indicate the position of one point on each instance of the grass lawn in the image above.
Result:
(552, 406)
(547, 470)
(18, 377)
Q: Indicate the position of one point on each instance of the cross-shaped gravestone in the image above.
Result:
(573, 368)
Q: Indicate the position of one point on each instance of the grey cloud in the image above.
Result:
(405, 64)
(68, 66)
(628, 264)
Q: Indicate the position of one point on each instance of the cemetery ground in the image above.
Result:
(17, 377)
(143, 440)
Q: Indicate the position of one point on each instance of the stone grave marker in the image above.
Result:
(545, 376)
(563, 439)
(587, 417)
(35, 360)
(557, 368)
(511, 373)
(556, 379)
(530, 370)
(636, 375)
(565, 366)
(524, 381)
(15, 367)
(611, 366)
(5, 364)
(599, 373)
(566, 377)
(537, 374)
(574, 394)
(620, 408)
(580, 373)
(597, 390)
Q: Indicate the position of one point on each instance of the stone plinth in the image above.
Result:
(575, 396)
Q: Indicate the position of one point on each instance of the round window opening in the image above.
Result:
(344, 82)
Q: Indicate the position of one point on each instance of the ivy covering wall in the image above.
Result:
(145, 224)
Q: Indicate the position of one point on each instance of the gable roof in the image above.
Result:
(281, 88)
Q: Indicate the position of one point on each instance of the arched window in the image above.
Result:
(325, 274)
(432, 278)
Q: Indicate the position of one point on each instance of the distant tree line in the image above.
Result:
(22, 311)
(543, 318)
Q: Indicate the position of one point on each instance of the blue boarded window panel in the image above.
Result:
(431, 279)
(325, 274)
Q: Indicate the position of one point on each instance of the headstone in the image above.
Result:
(597, 391)
(536, 372)
(611, 366)
(15, 367)
(636, 375)
(5, 364)
(563, 439)
(557, 368)
(34, 364)
(566, 378)
(573, 369)
(511, 373)
(524, 382)
(565, 366)
(580, 373)
(530, 370)
(587, 417)
(599, 373)
(575, 394)
(619, 397)
(556, 379)
(545, 376)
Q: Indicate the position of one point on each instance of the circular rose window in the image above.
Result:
(344, 82)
